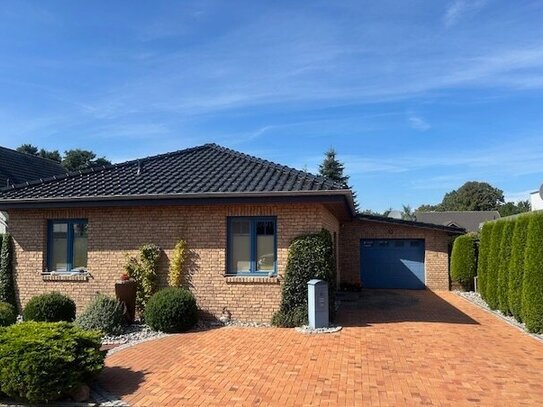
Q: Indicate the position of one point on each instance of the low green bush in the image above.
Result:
(516, 266)
(42, 362)
(8, 314)
(493, 266)
(464, 260)
(172, 309)
(309, 256)
(532, 288)
(104, 314)
(52, 307)
(482, 262)
(505, 262)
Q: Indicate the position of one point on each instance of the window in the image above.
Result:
(252, 246)
(67, 246)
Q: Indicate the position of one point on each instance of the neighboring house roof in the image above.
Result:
(16, 167)
(469, 220)
(201, 172)
(411, 223)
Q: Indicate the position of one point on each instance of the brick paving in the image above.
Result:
(396, 348)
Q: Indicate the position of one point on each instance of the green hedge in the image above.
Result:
(41, 362)
(532, 287)
(516, 266)
(504, 264)
(309, 256)
(493, 265)
(464, 260)
(7, 288)
(8, 314)
(482, 263)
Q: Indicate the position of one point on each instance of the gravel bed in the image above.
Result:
(476, 299)
(134, 333)
(308, 331)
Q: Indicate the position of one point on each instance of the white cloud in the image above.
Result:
(418, 123)
(461, 8)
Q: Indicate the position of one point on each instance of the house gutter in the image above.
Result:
(327, 196)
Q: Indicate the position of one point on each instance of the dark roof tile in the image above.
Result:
(18, 168)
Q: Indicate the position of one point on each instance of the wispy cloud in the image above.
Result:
(418, 123)
(462, 8)
(518, 195)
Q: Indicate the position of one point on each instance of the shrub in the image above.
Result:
(176, 264)
(491, 285)
(8, 314)
(104, 314)
(503, 271)
(52, 307)
(172, 309)
(292, 318)
(7, 288)
(464, 260)
(41, 362)
(532, 288)
(143, 269)
(516, 266)
(310, 256)
(482, 263)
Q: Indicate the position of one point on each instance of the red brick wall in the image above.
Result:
(114, 232)
(436, 245)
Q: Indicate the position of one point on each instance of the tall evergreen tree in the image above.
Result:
(333, 169)
(7, 288)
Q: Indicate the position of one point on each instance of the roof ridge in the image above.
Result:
(49, 160)
(71, 174)
(284, 168)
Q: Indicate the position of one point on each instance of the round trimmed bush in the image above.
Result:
(464, 260)
(42, 362)
(171, 310)
(8, 314)
(52, 307)
(103, 314)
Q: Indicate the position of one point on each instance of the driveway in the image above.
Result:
(396, 348)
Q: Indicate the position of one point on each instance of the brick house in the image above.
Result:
(238, 215)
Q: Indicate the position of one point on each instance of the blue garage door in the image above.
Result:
(392, 263)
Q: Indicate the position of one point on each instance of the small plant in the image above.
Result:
(310, 256)
(172, 309)
(42, 362)
(7, 288)
(176, 264)
(464, 260)
(8, 314)
(104, 314)
(143, 269)
(52, 307)
(516, 266)
(532, 288)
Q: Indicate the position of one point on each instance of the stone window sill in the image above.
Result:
(233, 279)
(65, 277)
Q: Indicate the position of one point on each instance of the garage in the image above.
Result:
(392, 263)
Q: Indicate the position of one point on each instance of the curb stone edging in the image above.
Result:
(512, 322)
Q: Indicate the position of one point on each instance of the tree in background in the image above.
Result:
(408, 213)
(333, 169)
(73, 160)
(43, 153)
(512, 208)
(80, 159)
(473, 196)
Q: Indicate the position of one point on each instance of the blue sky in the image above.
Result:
(417, 97)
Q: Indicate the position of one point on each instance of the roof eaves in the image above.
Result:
(384, 219)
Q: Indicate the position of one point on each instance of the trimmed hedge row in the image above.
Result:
(510, 272)
(464, 260)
